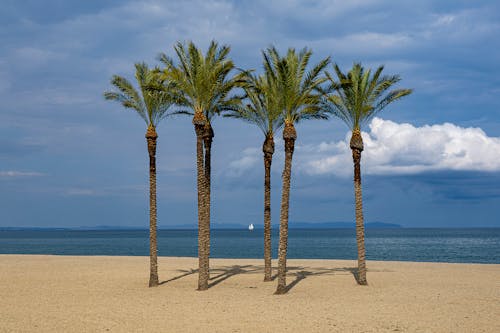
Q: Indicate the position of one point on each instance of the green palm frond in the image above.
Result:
(127, 95)
(152, 102)
(360, 95)
(202, 82)
(298, 88)
(260, 107)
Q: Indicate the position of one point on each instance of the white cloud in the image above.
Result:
(365, 43)
(80, 192)
(468, 25)
(62, 96)
(19, 174)
(444, 20)
(392, 148)
(33, 57)
(315, 9)
(372, 40)
(249, 159)
(125, 190)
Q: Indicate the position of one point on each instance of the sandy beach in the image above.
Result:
(110, 294)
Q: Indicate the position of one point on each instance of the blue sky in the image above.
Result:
(69, 158)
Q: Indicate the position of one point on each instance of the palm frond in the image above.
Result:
(297, 90)
(359, 94)
(203, 82)
(154, 98)
(127, 95)
(259, 108)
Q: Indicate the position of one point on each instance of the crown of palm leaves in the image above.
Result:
(202, 81)
(299, 89)
(151, 102)
(360, 95)
(262, 104)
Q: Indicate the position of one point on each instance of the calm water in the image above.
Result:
(442, 245)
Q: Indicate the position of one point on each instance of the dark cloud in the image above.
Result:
(461, 186)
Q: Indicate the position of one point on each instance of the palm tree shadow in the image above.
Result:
(186, 273)
(227, 272)
(299, 276)
(222, 273)
(302, 274)
(290, 268)
(355, 273)
(232, 270)
(299, 272)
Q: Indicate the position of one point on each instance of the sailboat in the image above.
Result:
(250, 227)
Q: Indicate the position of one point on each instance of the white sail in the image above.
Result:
(250, 227)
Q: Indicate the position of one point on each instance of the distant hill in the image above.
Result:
(292, 225)
(233, 226)
(338, 225)
(212, 226)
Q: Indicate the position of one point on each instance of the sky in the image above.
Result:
(68, 158)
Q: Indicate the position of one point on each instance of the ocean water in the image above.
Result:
(481, 245)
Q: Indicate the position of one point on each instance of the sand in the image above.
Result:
(110, 294)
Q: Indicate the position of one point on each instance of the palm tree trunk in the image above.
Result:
(357, 148)
(207, 141)
(268, 149)
(151, 137)
(203, 273)
(289, 135)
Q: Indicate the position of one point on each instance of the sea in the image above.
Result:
(471, 245)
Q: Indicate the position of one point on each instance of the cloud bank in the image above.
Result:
(393, 148)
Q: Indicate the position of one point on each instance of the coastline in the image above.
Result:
(49, 293)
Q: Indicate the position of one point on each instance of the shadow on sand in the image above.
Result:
(220, 274)
(228, 271)
(301, 273)
(184, 273)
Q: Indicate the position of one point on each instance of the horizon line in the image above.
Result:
(133, 228)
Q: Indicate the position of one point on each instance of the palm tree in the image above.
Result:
(299, 98)
(262, 110)
(203, 87)
(360, 97)
(151, 104)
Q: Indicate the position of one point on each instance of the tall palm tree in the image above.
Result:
(203, 88)
(361, 96)
(300, 94)
(262, 110)
(151, 104)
